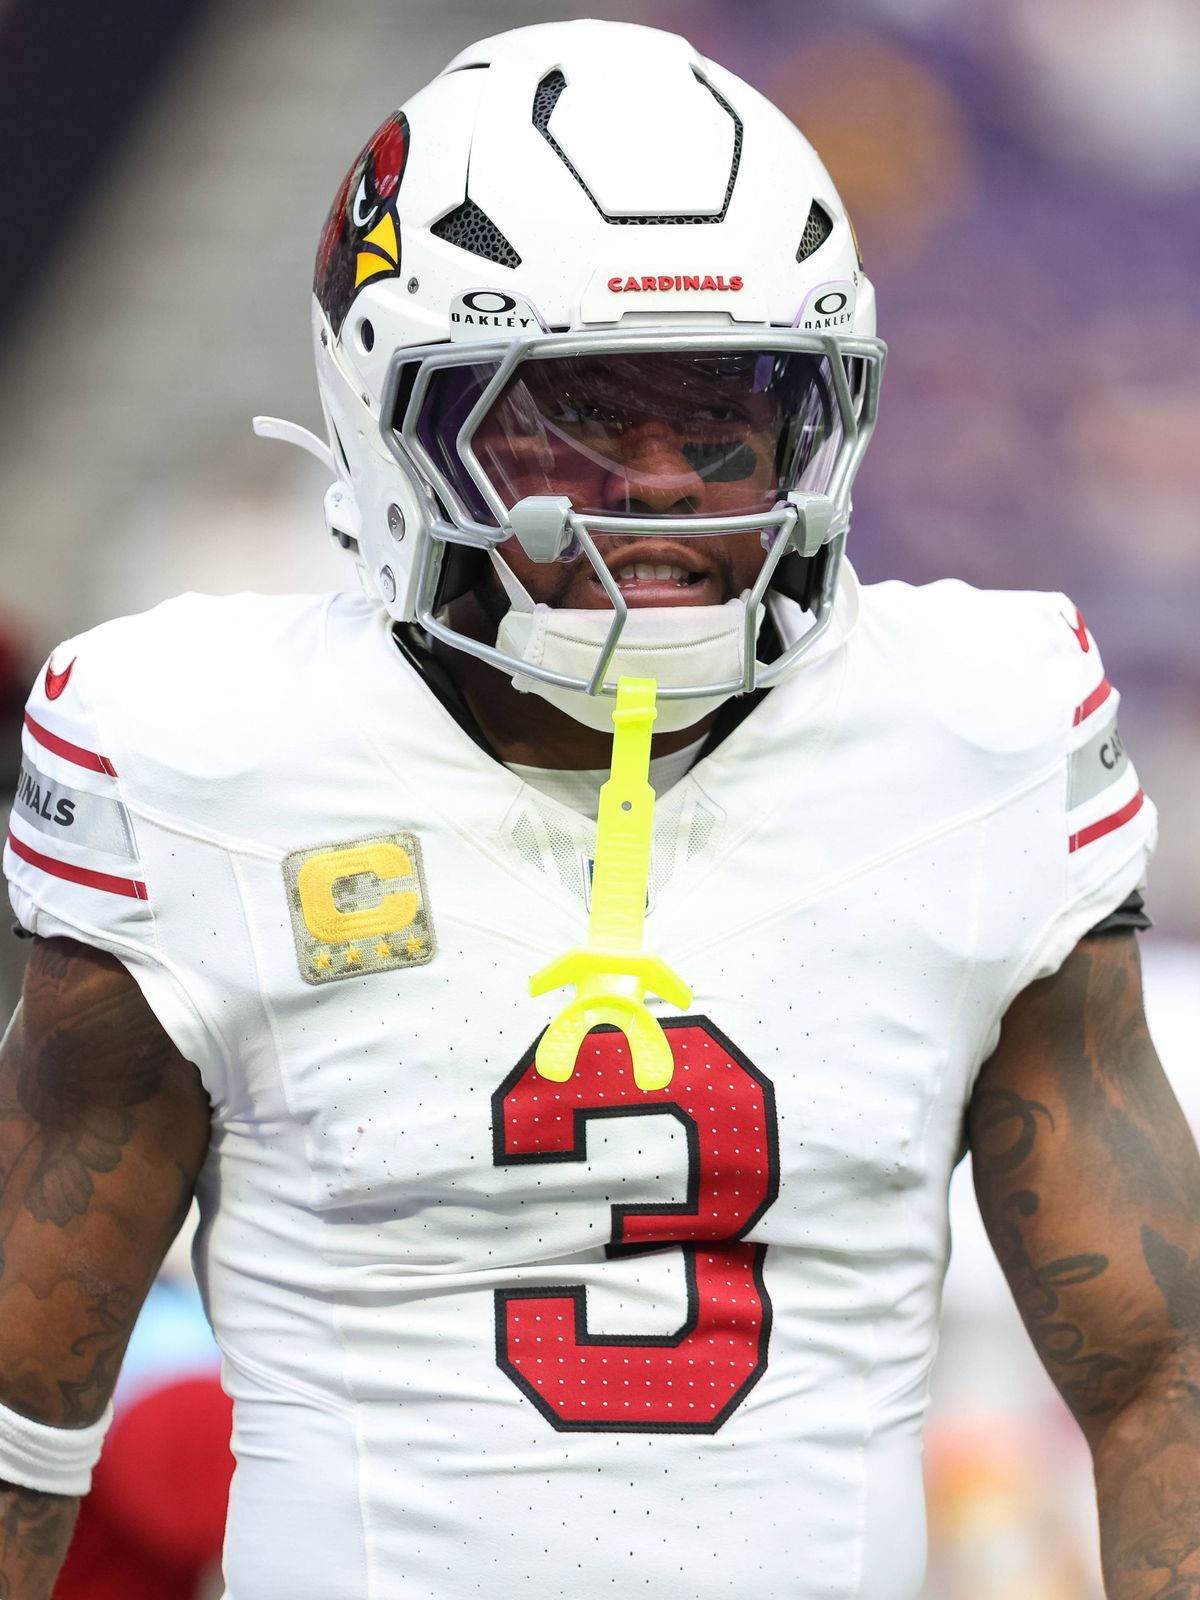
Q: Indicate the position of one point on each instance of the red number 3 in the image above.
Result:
(692, 1380)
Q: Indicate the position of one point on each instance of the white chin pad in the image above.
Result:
(674, 645)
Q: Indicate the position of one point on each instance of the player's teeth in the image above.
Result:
(657, 572)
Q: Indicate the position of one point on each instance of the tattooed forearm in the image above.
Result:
(1148, 1464)
(1148, 1487)
(35, 1530)
(103, 1128)
(1006, 1133)
(82, 1060)
(1089, 1185)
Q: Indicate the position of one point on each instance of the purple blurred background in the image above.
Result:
(1025, 178)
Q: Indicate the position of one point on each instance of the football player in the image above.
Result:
(598, 362)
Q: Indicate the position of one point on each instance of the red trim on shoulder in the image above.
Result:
(69, 751)
(129, 887)
(1118, 819)
(1096, 699)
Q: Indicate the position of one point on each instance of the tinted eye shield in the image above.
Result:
(438, 398)
(659, 432)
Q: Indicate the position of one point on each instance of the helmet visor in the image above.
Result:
(648, 433)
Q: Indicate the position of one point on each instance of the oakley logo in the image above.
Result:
(491, 308)
(666, 285)
(490, 301)
(830, 309)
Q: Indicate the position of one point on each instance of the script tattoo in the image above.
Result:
(1089, 1185)
(1006, 1131)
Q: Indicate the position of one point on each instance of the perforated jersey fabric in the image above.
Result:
(488, 1334)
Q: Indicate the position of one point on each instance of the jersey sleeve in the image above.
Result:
(1108, 823)
(71, 856)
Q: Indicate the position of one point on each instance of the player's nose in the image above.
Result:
(655, 475)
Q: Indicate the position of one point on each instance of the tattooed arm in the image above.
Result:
(103, 1130)
(1089, 1184)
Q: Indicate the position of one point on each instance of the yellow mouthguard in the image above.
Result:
(611, 972)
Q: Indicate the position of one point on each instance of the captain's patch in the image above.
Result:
(359, 908)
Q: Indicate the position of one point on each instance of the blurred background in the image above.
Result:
(1025, 179)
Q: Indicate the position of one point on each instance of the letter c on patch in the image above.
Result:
(320, 874)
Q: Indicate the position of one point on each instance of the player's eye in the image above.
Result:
(716, 462)
(720, 413)
(584, 414)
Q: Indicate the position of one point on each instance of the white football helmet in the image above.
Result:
(576, 229)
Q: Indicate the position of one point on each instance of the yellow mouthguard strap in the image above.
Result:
(611, 973)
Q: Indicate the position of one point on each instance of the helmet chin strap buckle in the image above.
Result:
(612, 973)
(542, 526)
(816, 518)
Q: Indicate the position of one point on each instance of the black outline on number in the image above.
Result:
(577, 1292)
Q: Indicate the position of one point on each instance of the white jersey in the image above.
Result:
(490, 1335)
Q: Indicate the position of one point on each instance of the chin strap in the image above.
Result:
(611, 973)
(519, 596)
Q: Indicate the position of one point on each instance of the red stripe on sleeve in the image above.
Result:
(1097, 830)
(1097, 698)
(129, 887)
(69, 751)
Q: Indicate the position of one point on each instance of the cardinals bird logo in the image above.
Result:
(360, 240)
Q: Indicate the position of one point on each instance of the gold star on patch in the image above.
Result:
(353, 959)
(323, 961)
(413, 945)
(383, 949)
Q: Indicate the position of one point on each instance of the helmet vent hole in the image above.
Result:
(816, 230)
(546, 98)
(471, 229)
(549, 92)
(366, 335)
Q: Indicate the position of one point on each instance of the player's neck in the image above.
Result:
(528, 730)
